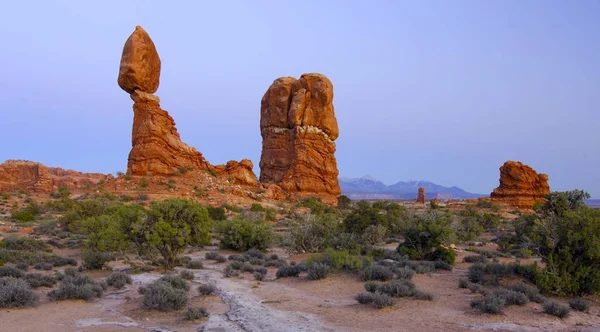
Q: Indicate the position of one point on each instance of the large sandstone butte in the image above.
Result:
(298, 128)
(520, 185)
(34, 177)
(156, 145)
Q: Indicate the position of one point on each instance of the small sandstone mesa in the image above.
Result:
(520, 186)
(298, 128)
(421, 196)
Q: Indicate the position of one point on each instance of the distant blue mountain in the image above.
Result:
(368, 187)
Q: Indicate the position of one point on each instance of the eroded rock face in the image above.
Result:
(157, 148)
(520, 185)
(421, 196)
(298, 127)
(36, 178)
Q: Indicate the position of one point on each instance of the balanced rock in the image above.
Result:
(157, 148)
(520, 185)
(140, 63)
(421, 196)
(298, 128)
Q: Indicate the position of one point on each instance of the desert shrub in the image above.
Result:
(206, 289)
(312, 233)
(259, 276)
(247, 267)
(423, 233)
(46, 227)
(442, 265)
(242, 234)
(36, 280)
(382, 300)
(463, 283)
(404, 273)
(365, 298)
(95, 260)
(194, 264)
(344, 202)
(315, 205)
(195, 313)
(16, 293)
(476, 288)
(216, 213)
(22, 215)
(23, 266)
(579, 304)
(442, 254)
(511, 297)
(77, 287)
(530, 291)
(84, 210)
(57, 261)
(476, 273)
(288, 271)
(337, 260)
(255, 253)
(523, 253)
(11, 271)
(421, 295)
(317, 271)
(374, 234)
(489, 253)
(171, 225)
(14, 242)
(371, 286)
(555, 309)
(161, 295)
(118, 279)
(215, 256)
(175, 281)
(230, 272)
(276, 263)
(476, 259)
(236, 265)
(377, 272)
(256, 207)
(491, 304)
(238, 258)
(398, 288)
(43, 266)
(362, 216)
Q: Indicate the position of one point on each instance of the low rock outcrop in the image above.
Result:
(156, 145)
(298, 128)
(421, 196)
(34, 177)
(520, 186)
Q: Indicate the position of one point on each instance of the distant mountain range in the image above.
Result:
(368, 187)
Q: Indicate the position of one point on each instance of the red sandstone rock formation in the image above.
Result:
(520, 186)
(298, 127)
(36, 178)
(421, 196)
(156, 145)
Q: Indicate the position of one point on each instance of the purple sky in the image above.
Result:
(444, 91)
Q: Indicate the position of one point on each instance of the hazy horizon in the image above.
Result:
(444, 92)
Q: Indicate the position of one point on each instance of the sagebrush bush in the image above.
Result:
(579, 304)
(382, 300)
(187, 275)
(247, 267)
(377, 272)
(230, 271)
(511, 297)
(175, 281)
(476, 273)
(404, 273)
(476, 259)
(288, 271)
(24, 266)
(236, 265)
(530, 291)
(161, 295)
(43, 266)
(317, 271)
(206, 289)
(422, 295)
(213, 255)
(16, 293)
(195, 313)
(338, 260)
(556, 309)
(259, 276)
(365, 298)
(79, 286)
(463, 283)
(491, 304)
(194, 265)
(11, 271)
(371, 286)
(14, 242)
(118, 279)
(36, 280)
(398, 288)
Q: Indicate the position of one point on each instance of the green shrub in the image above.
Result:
(195, 313)
(215, 256)
(118, 279)
(317, 271)
(207, 289)
(16, 293)
(14, 242)
(22, 215)
(161, 295)
(95, 260)
(256, 207)
(312, 233)
(344, 202)
(362, 216)
(288, 271)
(337, 260)
(374, 234)
(187, 275)
(36, 280)
(242, 234)
(216, 213)
(476, 259)
(423, 233)
(579, 304)
(555, 309)
(23, 266)
(442, 254)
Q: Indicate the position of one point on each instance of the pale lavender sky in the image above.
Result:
(444, 91)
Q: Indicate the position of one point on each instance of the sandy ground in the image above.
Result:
(290, 304)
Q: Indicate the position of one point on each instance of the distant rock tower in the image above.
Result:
(421, 196)
(298, 128)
